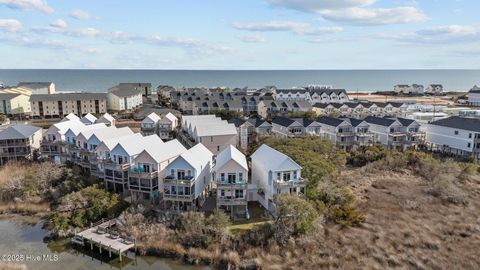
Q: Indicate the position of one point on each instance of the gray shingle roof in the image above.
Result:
(124, 90)
(34, 85)
(19, 131)
(5, 96)
(459, 122)
(379, 121)
(330, 121)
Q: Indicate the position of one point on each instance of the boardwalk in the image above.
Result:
(105, 238)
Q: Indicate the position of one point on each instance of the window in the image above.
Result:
(222, 177)
(469, 135)
(211, 138)
(456, 132)
(172, 172)
(218, 148)
(240, 177)
(468, 145)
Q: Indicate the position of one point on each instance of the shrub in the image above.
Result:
(367, 154)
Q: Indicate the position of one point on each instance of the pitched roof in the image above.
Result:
(135, 147)
(215, 129)
(79, 128)
(330, 121)
(110, 132)
(231, 153)
(166, 151)
(19, 131)
(124, 90)
(355, 122)
(257, 122)
(274, 159)
(405, 122)
(237, 122)
(70, 116)
(379, 121)
(470, 124)
(107, 117)
(170, 116)
(475, 90)
(88, 119)
(198, 156)
(111, 143)
(153, 117)
(283, 121)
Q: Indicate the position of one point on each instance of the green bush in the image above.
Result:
(367, 154)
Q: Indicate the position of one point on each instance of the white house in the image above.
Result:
(409, 89)
(166, 125)
(122, 157)
(145, 181)
(434, 89)
(19, 143)
(188, 178)
(231, 177)
(274, 173)
(149, 125)
(455, 135)
(474, 96)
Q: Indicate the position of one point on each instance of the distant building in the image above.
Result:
(406, 89)
(144, 88)
(149, 125)
(474, 96)
(124, 97)
(15, 104)
(434, 89)
(19, 142)
(39, 88)
(59, 105)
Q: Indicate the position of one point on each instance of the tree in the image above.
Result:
(308, 115)
(294, 216)
(218, 222)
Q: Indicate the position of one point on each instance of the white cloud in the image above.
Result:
(10, 25)
(380, 16)
(32, 42)
(356, 12)
(252, 38)
(80, 14)
(59, 24)
(314, 6)
(84, 32)
(439, 34)
(40, 5)
(287, 26)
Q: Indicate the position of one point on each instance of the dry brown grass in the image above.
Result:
(11, 266)
(24, 208)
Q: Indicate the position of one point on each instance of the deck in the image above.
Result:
(103, 236)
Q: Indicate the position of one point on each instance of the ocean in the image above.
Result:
(352, 80)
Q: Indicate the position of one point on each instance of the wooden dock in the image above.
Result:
(102, 235)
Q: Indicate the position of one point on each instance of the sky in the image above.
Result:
(240, 34)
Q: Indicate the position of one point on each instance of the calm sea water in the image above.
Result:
(352, 80)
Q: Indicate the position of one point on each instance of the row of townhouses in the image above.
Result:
(162, 126)
(146, 167)
(362, 109)
(418, 89)
(40, 100)
(348, 133)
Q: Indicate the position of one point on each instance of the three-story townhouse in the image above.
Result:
(274, 173)
(230, 173)
(188, 179)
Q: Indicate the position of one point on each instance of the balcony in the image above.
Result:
(171, 179)
(345, 134)
(109, 164)
(13, 143)
(139, 186)
(224, 183)
(232, 201)
(179, 197)
(141, 173)
(289, 184)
